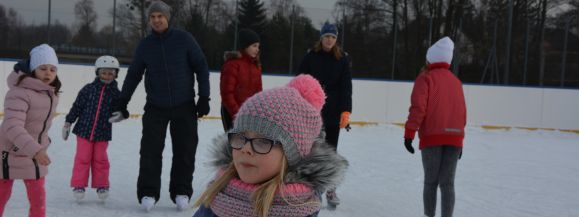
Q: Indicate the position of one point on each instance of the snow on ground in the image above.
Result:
(513, 173)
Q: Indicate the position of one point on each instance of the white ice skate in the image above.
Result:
(332, 198)
(103, 193)
(182, 202)
(147, 203)
(78, 194)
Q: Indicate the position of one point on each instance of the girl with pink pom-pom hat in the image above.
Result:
(274, 162)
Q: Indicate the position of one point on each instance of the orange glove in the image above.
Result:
(344, 119)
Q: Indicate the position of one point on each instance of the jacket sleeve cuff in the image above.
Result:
(409, 133)
(29, 150)
(234, 113)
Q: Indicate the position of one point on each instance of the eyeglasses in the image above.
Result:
(258, 145)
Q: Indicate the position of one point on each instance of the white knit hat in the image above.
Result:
(441, 51)
(41, 55)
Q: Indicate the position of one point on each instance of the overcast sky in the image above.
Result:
(36, 11)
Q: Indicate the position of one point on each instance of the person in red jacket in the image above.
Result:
(240, 76)
(438, 113)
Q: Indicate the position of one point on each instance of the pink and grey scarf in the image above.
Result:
(293, 200)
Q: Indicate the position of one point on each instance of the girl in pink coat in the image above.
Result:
(29, 107)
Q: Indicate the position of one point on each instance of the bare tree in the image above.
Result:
(137, 9)
(84, 12)
(284, 8)
(213, 13)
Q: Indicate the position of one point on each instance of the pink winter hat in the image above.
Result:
(441, 51)
(290, 115)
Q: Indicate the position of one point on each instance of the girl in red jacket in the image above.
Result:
(438, 113)
(29, 107)
(240, 76)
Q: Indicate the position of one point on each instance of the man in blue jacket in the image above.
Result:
(170, 60)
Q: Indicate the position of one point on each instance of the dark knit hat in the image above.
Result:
(247, 37)
(290, 115)
(329, 29)
(161, 7)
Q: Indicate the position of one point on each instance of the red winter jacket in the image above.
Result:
(240, 79)
(438, 108)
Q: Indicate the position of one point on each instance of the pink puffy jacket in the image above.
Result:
(28, 112)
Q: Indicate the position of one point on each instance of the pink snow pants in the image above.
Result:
(90, 156)
(36, 195)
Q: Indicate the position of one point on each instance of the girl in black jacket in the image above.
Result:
(91, 111)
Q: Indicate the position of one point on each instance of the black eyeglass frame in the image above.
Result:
(250, 140)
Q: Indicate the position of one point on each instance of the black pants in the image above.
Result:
(226, 119)
(183, 128)
(332, 135)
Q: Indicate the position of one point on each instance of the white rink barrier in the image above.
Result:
(376, 101)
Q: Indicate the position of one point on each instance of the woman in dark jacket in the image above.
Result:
(240, 76)
(330, 66)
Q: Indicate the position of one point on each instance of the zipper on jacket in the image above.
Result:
(5, 167)
(40, 135)
(96, 116)
(45, 120)
(36, 169)
(168, 73)
(250, 75)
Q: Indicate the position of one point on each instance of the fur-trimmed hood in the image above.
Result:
(321, 170)
(238, 55)
(229, 55)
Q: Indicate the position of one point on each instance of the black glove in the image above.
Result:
(202, 106)
(408, 144)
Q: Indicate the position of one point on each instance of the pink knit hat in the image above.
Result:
(290, 115)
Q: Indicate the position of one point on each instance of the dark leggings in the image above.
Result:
(439, 169)
(332, 135)
(226, 119)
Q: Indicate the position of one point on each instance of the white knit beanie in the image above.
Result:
(41, 55)
(441, 51)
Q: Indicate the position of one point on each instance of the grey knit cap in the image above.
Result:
(161, 7)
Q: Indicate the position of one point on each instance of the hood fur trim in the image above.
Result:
(228, 55)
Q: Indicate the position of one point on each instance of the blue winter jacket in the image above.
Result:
(93, 103)
(170, 62)
(207, 212)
